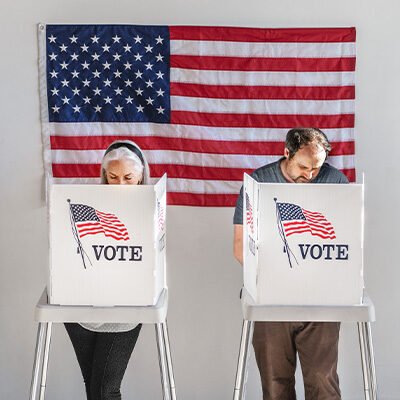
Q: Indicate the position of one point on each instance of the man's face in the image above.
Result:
(305, 164)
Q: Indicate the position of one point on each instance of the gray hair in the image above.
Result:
(124, 153)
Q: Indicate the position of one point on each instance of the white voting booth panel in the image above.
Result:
(107, 244)
(303, 244)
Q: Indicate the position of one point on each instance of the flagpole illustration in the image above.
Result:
(80, 249)
(286, 247)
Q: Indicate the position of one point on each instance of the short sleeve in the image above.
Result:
(238, 216)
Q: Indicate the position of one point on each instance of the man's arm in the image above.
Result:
(238, 242)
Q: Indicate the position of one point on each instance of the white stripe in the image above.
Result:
(261, 78)
(276, 50)
(188, 158)
(183, 131)
(238, 106)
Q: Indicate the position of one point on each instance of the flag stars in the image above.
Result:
(53, 74)
(52, 56)
(84, 47)
(138, 57)
(75, 91)
(97, 108)
(139, 92)
(96, 74)
(159, 75)
(106, 65)
(148, 48)
(76, 108)
(128, 82)
(95, 57)
(95, 39)
(65, 82)
(73, 39)
(118, 108)
(97, 91)
(54, 92)
(118, 91)
(138, 39)
(85, 65)
(107, 82)
(149, 101)
(52, 39)
(159, 39)
(87, 100)
(106, 48)
(86, 82)
(107, 100)
(129, 100)
(64, 65)
(127, 48)
(116, 39)
(75, 74)
(148, 66)
(55, 109)
(127, 65)
(65, 100)
(160, 93)
(116, 56)
(149, 83)
(138, 74)
(159, 57)
(117, 74)
(140, 108)
(63, 47)
(74, 57)
(160, 110)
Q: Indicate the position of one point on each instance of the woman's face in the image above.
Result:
(123, 172)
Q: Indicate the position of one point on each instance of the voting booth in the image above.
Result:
(303, 244)
(107, 244)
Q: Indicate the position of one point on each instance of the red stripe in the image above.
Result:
(201, 200)
(105, 234)
(88, 228)
(183, 144)
(214, 63)
(263, 92)
(238, 34)
(172, 170)
(261, 120)
(350, 174)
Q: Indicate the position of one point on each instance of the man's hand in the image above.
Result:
(238, 243)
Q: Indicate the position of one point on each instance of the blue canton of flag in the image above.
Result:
(116, 73)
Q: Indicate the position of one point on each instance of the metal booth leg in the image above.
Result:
(241, 374)
(45, 360)
(169, 361)
(371, 360)
(37, 360)
(364, 360)
(163, 361)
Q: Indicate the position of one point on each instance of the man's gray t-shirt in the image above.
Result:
(272, 173)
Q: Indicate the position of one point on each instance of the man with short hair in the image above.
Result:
(276, 343)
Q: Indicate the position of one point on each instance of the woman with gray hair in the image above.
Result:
(103, 350)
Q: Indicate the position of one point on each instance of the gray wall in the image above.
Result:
(204, 279)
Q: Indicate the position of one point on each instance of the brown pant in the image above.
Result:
(275, 345)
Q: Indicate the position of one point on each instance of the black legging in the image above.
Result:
(103, 358)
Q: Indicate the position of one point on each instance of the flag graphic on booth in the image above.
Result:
(293, 219)
(85, 220)
(249, 214)
(205, 104)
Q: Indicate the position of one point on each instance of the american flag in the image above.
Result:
(161, 216)
(89, 221)
(206, 104)
(249, 213)
(296, 219)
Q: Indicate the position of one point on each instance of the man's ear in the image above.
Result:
(286, 153)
